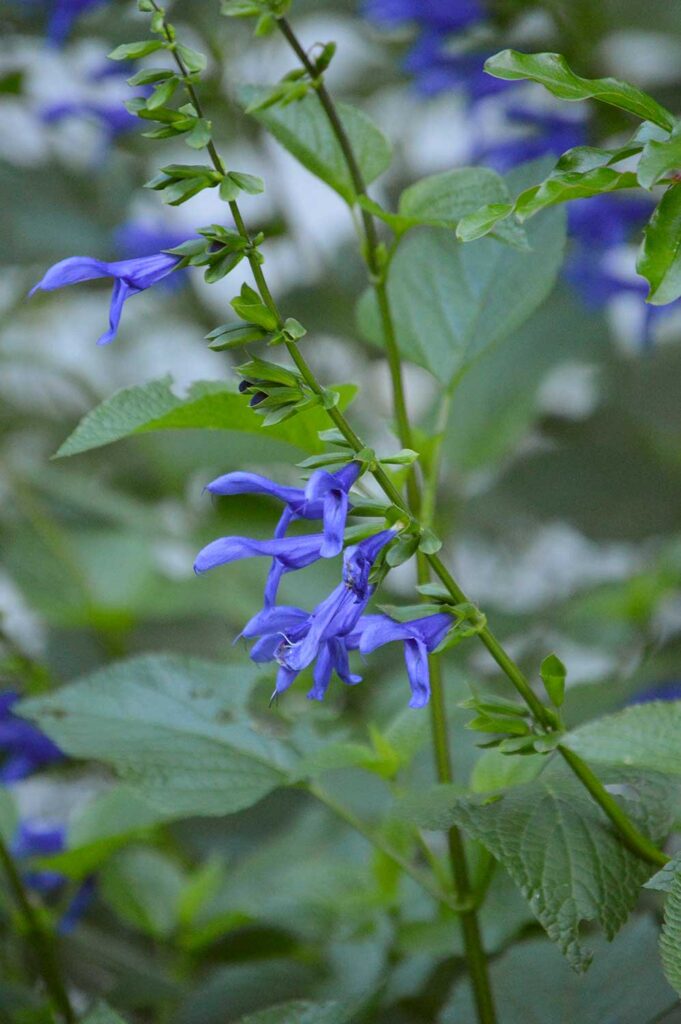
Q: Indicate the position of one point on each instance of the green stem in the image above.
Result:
(631, 835)
(41, 942)
(356, 823)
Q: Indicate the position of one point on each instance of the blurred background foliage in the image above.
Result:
(560, 500)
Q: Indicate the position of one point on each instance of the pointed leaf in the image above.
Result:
(659, 259)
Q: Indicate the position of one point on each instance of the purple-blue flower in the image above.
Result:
(64, 14)
(134, 238)
(130, 277)
(295, 638)
(668, 690)
(552, 132)
(420, 638)
(23, 748)
(445, 15)
(35, 838)
(325, 497)
(113, 117)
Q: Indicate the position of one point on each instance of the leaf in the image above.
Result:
(302, 128)
(623, 986)
(646, 736)
(560, 849)
(658, 159)
(211, 405)
(670, 939)
(663, 881)
(143, 886)
(553, 72)
(173, 728)
(559, 187)
(9, 815)
(441, 200)
(302, 1012)
(659, 259)
(452, 302)
(102, 1014)
(553, 673)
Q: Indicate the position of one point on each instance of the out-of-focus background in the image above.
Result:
(561, 493)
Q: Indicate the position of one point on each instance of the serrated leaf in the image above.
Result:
(670, 939)
(208, 405)
(658, 159)
(452, 302)
(553, 72)
(171, 728)
(625, 984)
(302, 128)
(659, 259)
(559, 847)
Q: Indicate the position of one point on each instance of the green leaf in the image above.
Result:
(143, 886)
(133, 51)
(624, 985)
(452, 302)
(247, 182)
(659, 259)
(553, 673)
(559, 187)
(302, 128)
(555, 843)
(102, 1014)
(670, 939)
(553, 72)
(301, 1012)
(658, 159)
(442, 200)
(211, 405)
(646, 736)
(172, 728)
(663, 881)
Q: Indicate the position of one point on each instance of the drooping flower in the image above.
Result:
(295, 638)
(420, 638)
(325, 497)
(130, 277)
(23, 747)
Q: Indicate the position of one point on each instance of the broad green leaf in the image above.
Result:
(644, 736)
(663, 881)
(102, 1014)
(658, 159)
(453, 302)
(553, 72)
(302, 1012)
(303, 129)
(172, 728)
(659, 259)
(441, 200)
(559, 187)
(9, 815)
(670, 939)
(559, 848)
(624, 985)
(494, 770)
(208, 405)
(143, 886)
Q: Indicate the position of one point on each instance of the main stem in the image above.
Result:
(41, 942)
(635, 840)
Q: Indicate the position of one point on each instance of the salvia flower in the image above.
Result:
(36, 838)
(325, 497)
(295, 638)
(23, 748)
(420, 637)
(113, 118)
(64, 14)
(130, 277)
(444, 15)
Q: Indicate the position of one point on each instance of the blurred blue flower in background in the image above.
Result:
(545, 132)
(35, 838)
(668, 690)
(130, 278)
(23, 748)
(63, 15)
(112, 117)
(134, 238)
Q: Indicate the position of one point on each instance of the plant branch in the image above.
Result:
(634, 839)
(41, 941)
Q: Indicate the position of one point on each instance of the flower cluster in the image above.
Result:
(296, 639)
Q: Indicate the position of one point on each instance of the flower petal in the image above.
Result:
(253, 483)
(416, 657)
(294, 552)
(322, 673)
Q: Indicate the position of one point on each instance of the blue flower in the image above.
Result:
(437, 68)
(420, 638)
(445, 15)
(113, 117)
(325, 497)
(130, 277)
(668, 690)
(64, 14)
(547, 132)
(295, 638)
(24, 747)
(35, 838)
(134, 238)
